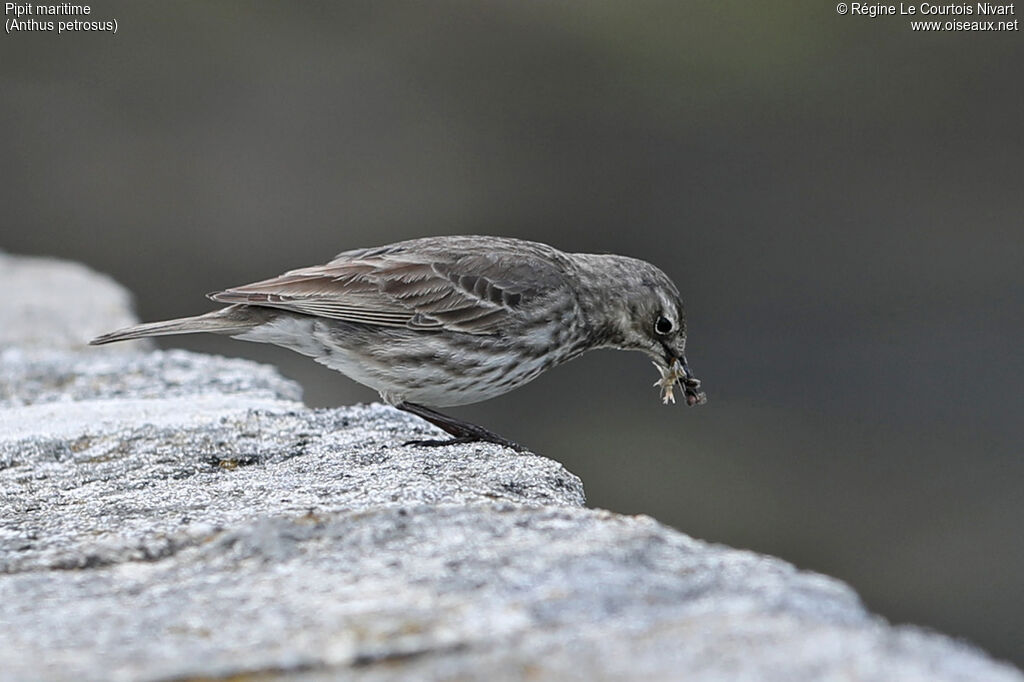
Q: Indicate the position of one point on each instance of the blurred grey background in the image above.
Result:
(839, 198)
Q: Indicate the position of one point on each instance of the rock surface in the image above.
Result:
(167, 515)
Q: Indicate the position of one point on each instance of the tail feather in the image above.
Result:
(226, 321)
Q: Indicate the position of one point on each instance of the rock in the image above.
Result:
(56, 304)
(168, 515)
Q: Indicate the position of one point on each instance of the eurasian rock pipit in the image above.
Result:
(445, 321)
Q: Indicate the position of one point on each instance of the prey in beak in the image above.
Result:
(678, 372)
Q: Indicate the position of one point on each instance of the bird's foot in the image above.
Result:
(461, 431)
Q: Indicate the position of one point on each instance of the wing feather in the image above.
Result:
(423, 284)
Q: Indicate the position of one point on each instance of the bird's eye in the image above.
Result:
(663, 326)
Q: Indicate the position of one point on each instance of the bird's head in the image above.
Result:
(635, 306)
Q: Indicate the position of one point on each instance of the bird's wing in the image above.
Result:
(475, 291)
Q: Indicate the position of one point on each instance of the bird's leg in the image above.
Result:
(462, 432)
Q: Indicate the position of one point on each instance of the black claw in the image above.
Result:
(467, 439)
(436, 443)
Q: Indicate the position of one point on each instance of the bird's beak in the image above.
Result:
(691, 386)
(690, 383)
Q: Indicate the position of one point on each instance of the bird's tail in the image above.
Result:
(231, 320)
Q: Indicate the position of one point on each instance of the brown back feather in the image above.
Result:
(467, 284)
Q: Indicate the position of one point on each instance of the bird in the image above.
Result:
(443, 321)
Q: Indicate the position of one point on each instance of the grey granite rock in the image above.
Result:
(49, 303)
(172, 516)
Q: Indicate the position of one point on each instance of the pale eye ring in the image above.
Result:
(663, 326)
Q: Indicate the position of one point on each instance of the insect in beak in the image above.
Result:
(679, 372)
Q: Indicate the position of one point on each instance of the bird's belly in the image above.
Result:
(435, 369)
(441, 378)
